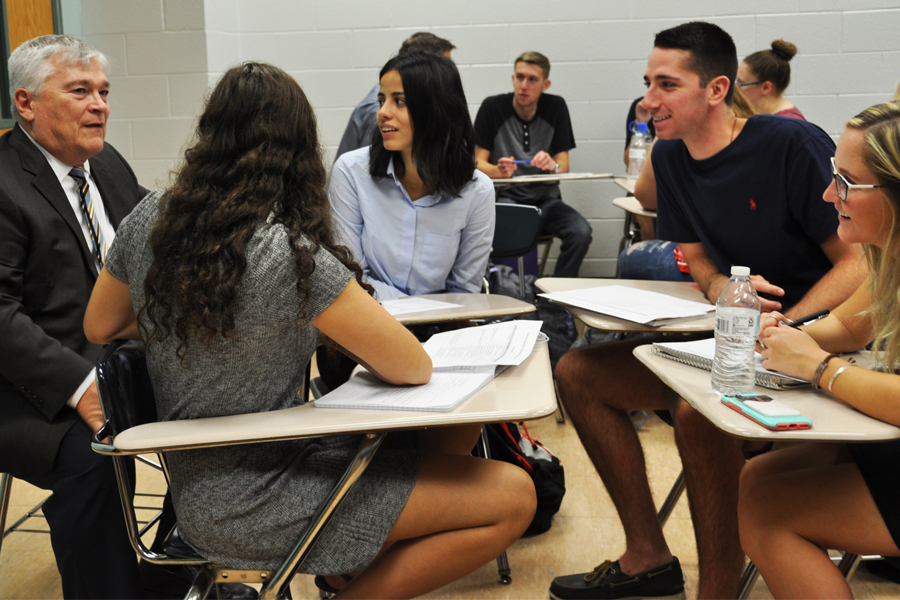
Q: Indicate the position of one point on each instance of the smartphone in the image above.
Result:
(767, 411)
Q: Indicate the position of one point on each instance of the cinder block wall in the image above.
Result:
(165, 54)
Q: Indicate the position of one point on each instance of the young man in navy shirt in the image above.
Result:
(528, 125)
(732, 192)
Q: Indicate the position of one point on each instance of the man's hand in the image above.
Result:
(543, 161)
(89, 410)
(761, 285)
(506, 166)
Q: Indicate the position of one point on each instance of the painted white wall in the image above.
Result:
(165, 54)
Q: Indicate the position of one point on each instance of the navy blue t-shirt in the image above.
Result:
(756, 203)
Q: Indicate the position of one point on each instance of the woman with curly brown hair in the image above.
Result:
(229, 277)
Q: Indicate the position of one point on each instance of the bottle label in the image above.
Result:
(637, 154)
(733, 321)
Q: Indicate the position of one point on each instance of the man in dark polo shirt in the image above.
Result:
(528, 132)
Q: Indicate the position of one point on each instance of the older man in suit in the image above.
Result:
(63, 192)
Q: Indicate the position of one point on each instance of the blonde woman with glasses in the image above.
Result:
(796, 501)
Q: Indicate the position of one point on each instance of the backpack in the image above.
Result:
(509, 444)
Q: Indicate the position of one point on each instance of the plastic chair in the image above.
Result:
(127, 399)
(516, 233)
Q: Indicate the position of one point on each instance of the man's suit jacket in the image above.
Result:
(47, 273)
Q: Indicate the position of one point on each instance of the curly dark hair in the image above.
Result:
(256, 152)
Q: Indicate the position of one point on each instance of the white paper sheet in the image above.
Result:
(638, 306)
(507, 343)
(411, 304)
(446, 390)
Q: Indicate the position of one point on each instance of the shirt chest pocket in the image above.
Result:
(436, 258)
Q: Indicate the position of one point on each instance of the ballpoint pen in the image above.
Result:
(522, 162)
(809, 318)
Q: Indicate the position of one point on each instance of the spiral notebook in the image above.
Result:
(700, 353)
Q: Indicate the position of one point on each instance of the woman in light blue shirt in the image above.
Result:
(417, 216)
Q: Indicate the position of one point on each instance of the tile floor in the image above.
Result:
(585, 532)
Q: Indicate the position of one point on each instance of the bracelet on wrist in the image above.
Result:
(821, 369)
(835, 376)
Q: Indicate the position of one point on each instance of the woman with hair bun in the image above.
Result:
(763, 77)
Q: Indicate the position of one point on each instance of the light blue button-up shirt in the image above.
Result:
(436, 244)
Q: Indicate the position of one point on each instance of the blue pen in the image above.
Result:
(522, 162)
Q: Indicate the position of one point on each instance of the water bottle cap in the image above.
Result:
(642, 127)
(740, 271)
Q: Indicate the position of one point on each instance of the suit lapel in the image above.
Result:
(47, 184)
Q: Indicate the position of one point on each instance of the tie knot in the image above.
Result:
(78, 173)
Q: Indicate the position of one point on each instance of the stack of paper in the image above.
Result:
(638, 306)
(464, 361)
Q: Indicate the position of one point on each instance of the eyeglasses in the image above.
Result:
(743, 84)
(843, 186)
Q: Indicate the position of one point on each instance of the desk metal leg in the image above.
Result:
(848, 564)
(748, 580)
(502, 560)
(665, 511)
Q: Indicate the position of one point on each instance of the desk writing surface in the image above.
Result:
(550, 178)
(474, 306)
(678, 289)
(833, 420)
(631, 204)
(623, 183)
(520, 393)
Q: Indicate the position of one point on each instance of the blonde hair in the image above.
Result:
(881, 125)
(742, 107)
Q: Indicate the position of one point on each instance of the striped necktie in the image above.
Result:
(90, 215)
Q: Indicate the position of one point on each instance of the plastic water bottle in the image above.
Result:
(637, 150)
(737, 325)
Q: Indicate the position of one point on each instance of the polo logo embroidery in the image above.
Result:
(752, 204)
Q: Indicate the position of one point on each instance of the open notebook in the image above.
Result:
(465, 360)
(700, 353)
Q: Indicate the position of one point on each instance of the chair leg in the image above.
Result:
(503, 569)
(748, 580)
(5, 491)
(848, 564)
(280, 582)
(668, 506)
(521, 263)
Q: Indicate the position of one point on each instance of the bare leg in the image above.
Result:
(459, 439)
(712, 465)
(795, 501)
(598, 386)
(462, 513)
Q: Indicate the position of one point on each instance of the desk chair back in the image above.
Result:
(516, 233)
(124, 386)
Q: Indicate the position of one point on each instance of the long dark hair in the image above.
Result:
(256, 153)
(443, 138)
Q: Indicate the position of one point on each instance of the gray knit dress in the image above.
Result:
(246, 506)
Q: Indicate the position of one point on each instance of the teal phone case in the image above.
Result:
(774, 423)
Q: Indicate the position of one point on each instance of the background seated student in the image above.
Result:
(657, 259)
(234, 271)
(796, 501)
(413, 210)
(531, 125)
(363, 122)
(764, 76)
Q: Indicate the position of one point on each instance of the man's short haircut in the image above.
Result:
(426, 42)
(537, 59)
(33, 62)
(712, 51)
